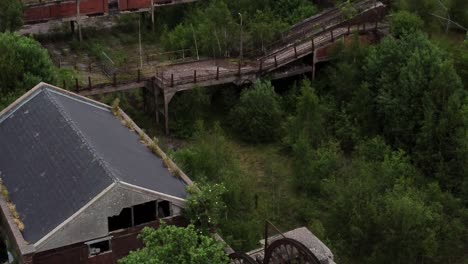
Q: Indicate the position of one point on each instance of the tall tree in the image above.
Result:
(23, 63)
(308, 122)
(419, 101)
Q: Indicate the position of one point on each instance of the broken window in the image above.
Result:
(99, 246)
(121, 221)
(144, 213)
(139, 214)
(164, 209)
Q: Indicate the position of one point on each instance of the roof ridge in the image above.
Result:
(75, 128)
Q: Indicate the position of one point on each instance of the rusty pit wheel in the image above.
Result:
(241, 258)
(289, 251)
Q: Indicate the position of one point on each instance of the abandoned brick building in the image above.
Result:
(77, 184)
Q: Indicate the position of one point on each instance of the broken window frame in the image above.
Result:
(171, 212)
(95, 241)
(132, 212)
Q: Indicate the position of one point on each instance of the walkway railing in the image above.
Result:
(199, 72)
(266, 64)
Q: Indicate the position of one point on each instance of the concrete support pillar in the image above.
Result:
(167, 99)
(313, 64)
(156, 96)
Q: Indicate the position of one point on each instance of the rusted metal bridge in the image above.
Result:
(296, 53)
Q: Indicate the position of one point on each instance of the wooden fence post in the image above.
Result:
(261, 65)
(195, 76)
(64, 84)
(139, 75)
(295, 50)
(276, 62)
(89, 82)
(331, 34)
(77, 86)
(172, 79)
(217, 73)
(376, 25)
(364, 27)
(239, 69)
(313, 44)
(349, 29)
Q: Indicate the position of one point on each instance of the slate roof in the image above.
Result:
(59, 151)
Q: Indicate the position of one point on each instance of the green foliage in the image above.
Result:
(387, 212)
(257, 115)
(210, 159)
(205, 206)
(24, 63)
(311, 166)
(186, 108)
(213, 28)
(419, 100)
(11, 15)
(215, 25)
(9, 97)
(265, 29)
(307, 125)
(433, 12)
(404, 22)
(176, 245)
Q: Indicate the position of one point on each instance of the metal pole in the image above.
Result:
(241, 39)
(78, 20)
(139, 41)
(195, 39)
(266, 237)
(152, 14)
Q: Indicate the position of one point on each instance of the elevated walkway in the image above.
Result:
(299, 49)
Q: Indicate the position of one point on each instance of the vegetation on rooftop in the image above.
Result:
(11, 207)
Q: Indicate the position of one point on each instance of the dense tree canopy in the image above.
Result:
(24, 63)
(420, 101)
(176, 245)
(215, 25)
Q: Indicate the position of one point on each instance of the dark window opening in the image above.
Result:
(3, 252)
(164, 209)
(113, 6)
(144, 213)
(121, 221)
(139, 214)
(99, 247)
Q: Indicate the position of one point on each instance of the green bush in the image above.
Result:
(258, 114)
(186, 109)
(405, 22)
(23, 64)
(176, 245)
